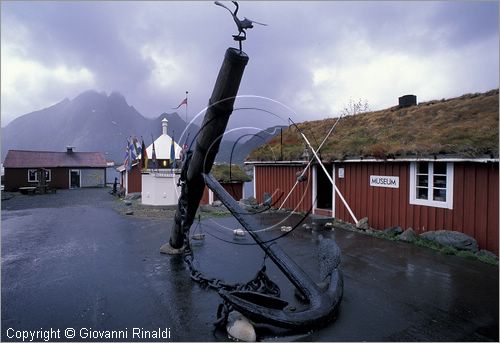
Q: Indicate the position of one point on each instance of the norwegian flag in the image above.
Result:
(183, 102)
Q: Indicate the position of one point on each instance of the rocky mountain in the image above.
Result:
(90, 122)
(237, 151)
(96, 121)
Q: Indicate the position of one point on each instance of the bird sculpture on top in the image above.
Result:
(242, 25)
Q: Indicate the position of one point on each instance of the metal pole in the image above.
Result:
(207, 144)
(187, 107)
(330, 178)
(310, 161)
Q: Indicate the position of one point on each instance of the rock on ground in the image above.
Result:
(363, 224)
(133, 196)
(395, 230)
(457, 240)
(251, 201)
(408, 235)
(239, 327)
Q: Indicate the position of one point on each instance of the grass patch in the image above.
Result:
(466, 125)
(383, 235)
(488, 259)
(447, 250)
(422, 242)
(467, 254)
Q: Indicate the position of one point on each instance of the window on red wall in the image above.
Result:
(32, 175)
(431, 184)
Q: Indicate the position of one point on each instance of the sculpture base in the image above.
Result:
(167, 249)
(239, 38)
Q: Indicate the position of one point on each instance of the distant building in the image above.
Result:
(65, 170)
(431, 166)
(157, 183)
(232, 181)
(158, 186)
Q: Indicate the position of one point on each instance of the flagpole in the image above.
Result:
(186, 108)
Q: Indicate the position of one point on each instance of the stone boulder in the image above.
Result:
(250, 201)
(457, 240)
(394, 231)
(363, 224)
(342, 225)
(216, 203)
(409, 235)
(240, 328)
(133, 196)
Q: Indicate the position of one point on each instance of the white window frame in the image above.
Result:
(47, 179)
(79, 175)
(430, 189)
(36, 175)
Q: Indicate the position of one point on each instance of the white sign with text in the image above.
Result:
(384, 181)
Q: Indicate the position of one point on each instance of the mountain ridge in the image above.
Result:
(96, 121)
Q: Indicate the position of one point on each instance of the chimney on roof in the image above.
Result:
(407, 100)
(69, 149)
(164, 124)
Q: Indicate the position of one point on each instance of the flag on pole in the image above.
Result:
(173, 164)
(183, 102)
(144, 155)
(132, 149)
(153, 157)
(125, 161)
(137, 146)
(130, 156)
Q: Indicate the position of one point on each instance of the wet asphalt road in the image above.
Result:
(70, 260)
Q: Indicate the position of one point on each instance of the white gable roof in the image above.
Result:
(162, 148)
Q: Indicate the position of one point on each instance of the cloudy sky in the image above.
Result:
(311, 59)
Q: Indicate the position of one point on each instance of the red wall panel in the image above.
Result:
(475, 200)
(278, 181)
(135, 179)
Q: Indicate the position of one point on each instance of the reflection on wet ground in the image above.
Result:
(83, 265)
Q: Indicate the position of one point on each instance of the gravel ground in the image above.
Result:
(89, 196)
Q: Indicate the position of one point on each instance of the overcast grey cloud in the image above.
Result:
(313, 57)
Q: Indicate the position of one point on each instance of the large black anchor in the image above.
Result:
(322, 304)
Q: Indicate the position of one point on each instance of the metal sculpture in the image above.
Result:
(242, 25)
(258, 299)
(322, 304)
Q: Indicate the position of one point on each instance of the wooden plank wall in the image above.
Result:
(135, 179)
(278, 181)
(475, 205)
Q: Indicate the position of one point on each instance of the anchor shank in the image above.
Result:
(290, 269)
(207, 142)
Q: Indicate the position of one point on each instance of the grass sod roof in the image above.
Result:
(221, 173)
(466, 126)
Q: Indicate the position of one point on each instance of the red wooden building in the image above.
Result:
(64, 170)
(432, 166)
(233, 183)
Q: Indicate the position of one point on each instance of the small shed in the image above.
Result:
(231, 177)
(63, 170)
